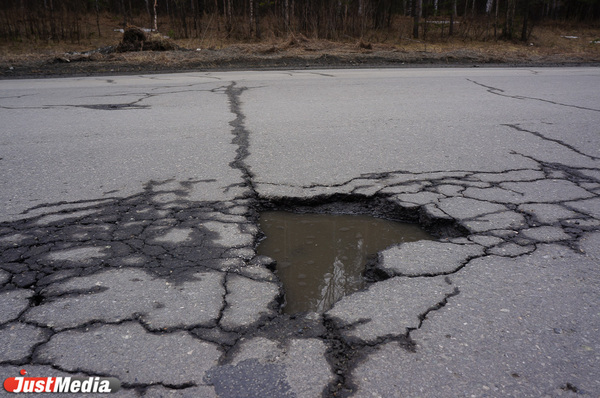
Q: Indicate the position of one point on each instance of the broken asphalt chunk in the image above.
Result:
(388, 309)
(426, 258)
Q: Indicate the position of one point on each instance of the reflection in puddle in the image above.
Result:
(321, 257)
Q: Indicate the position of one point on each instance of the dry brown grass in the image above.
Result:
(477, 34)
(212, 49)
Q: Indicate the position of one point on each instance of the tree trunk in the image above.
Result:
(147, 9)
(195, 16)
(97, 19)
(257, 19)
(183, 17)
(524, 35)
(496, 20)
(216, 12)
(124, 12)
(418, 9)
(155, 16)
(227, 14)
(53, 32)
(251, 17)
(130, 12)
(510, 19)
(230, 14)
(286, 14)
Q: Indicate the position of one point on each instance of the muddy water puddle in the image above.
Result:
(321, 257)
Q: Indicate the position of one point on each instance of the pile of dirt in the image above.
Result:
(136, 39)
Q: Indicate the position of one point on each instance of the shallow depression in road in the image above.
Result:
(322, 257)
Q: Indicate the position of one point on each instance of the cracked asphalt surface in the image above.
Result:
(129, 226)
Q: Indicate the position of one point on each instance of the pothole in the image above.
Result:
(322, 257)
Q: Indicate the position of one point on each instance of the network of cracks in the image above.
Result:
(109, 278)
(169, 295)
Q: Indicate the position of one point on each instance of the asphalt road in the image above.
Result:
(129, 225)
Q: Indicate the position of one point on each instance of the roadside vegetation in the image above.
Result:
(551, 31)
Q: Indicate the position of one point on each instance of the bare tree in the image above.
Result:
(256, 19)
(147, 9)
(98, 18)
(155, 27)
(286, 14)
(510, 19)
(252, 12)
(496, 20)
(453, 15)
(418, 10)
(123, 11)
(227, 9)
(526, 23)
(333, 19)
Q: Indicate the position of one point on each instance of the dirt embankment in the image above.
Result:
(140, 52)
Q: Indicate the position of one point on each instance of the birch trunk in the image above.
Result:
(155, 27)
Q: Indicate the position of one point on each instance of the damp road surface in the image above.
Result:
(129, 230)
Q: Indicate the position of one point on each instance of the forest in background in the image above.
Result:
(77, 21)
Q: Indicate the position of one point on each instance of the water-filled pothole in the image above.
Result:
(322, 257)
